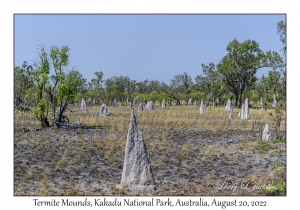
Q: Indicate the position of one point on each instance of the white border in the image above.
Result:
(8, 8)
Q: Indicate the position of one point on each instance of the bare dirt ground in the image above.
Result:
(190, 154)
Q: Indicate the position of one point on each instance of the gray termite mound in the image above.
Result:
(136, 169)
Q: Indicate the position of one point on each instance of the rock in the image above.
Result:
(242, 111)
(175, 103)
(82, 105)
(245, 111)
(190, 101)
(163, 104)
(114, 103)
(266, 136)
(104, 111)
(147, 106)
(239, 114)
(140, 109)
(202, 108)
(228, 105)
(273, 158)
(136, 168)
(231, 115)
(151, 105)
(195, 103)
(130, 105)
(79, 123)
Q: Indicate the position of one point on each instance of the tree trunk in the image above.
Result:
(44, 121)
(236, 99)
(61, 111)
(240, 99)
(52, 108)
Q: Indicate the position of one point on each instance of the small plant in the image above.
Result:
(251, 178)
(29, 174)
(113, 190)
(71, 192)
(42, 191)
(262, 146)
(42, 175)
(186, 172)
(60, 163)
(185, 150)
(279, 139)
(122, 190)
(277, 165)
(275, 187)
(23, 166)
(159, 175)
(29, 193)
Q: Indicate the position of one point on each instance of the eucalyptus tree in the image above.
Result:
(239, 66)
(281, 30)
(60, 87)
(41, 76)
(281, 87)
(179, 88)
(96, 84)
(67, 89)
(57, 60)
(210, 83)
(23, 84)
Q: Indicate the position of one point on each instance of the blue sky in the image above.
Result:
(153, 47)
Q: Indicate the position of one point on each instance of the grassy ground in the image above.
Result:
(190, 154)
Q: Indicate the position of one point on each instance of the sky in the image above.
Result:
(153, 47)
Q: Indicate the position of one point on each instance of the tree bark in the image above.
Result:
(52, 108)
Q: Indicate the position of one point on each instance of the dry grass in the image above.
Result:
(215, 119)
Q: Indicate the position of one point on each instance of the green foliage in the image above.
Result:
(41, 107)
(197, 95)
(23, 83)
(96, 85)
(278, 139)
(155, 96)
(262, 146)
(276, 165)
(59, 57)
(275, 186)
(211, 83)
(281, 30)
(69, 86)
(239, 66)
(227, 96)
(41, 73)
(253, 95)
